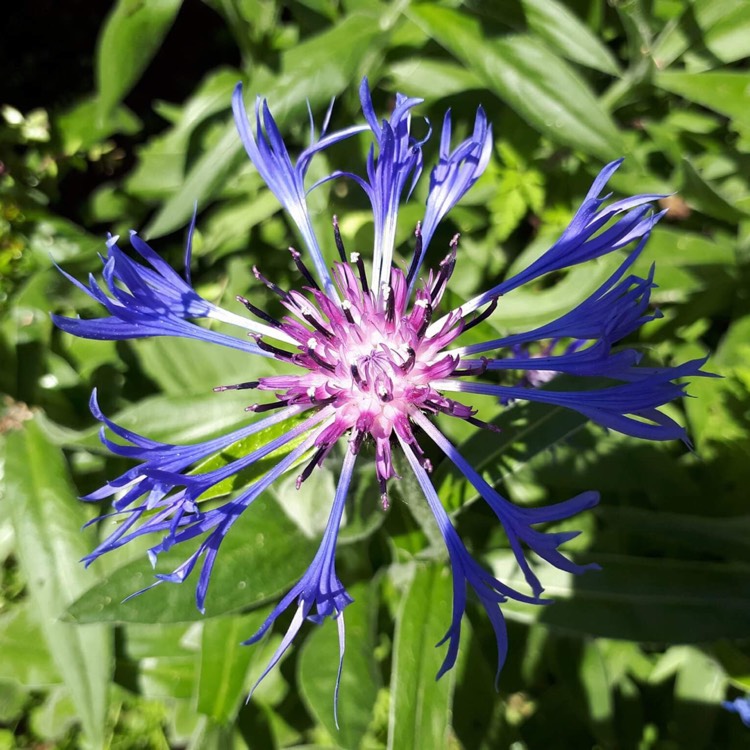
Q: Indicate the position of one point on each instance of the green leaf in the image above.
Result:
(209, 173)
(727, 538)
(172, 419)
(699, 688)
(256, 470)
(360, 678)
(683, 261)
(13, 700)
(720, 26)
(597, 684)
(83, 126)
(725, 92)
(26, 658)
(47, 518)
(637, 598)
(262, 555)
(420, 705)
(224, 662)
(526, 430)
(313, 71)
(168, 677)
(729, 38)
(53, 718)
(564, 32)
(164, 360)
(704, 196)
(131, 37)
(162, 159)
(433, 79)
(531, 79)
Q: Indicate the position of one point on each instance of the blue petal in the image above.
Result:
(455, 174)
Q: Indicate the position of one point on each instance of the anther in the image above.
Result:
(302, 268)
(346, 306)
(273, 287)
(417, 253)
(356, 258)
(482, 316)
(447, 265)
(237, 387)
(357, 377)
(411, 359)
(316, 325)
(258, 312)
(384, 394)
(280, 353)
(312, 463)
(357, 441)
(260, 408)
(319, 360)
(482, 424)
(390, 303)
(426, 321)
(384, 502)
(470, 369)
(337, 239)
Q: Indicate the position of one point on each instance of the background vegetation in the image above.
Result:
(116, 116)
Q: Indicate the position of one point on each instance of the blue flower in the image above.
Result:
(740, 706)
(369, 362)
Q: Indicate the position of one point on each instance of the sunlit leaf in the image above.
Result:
(47, 518)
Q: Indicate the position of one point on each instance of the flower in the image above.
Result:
(369, 360)
(739, 706)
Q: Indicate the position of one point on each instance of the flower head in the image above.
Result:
(740, 706)
(372, 358)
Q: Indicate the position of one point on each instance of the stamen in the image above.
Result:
(357, 441)
(390, 303)
(470, 369)
(357, 377)
(260, 408)
(237, 387)
(316, 325)
(482, 316)
(280, 353)
(384, 394)
(416, 449)
(417, 254)
(275, 289)
(337, 239)
(411, 359)
(427, 319)
(311, 464)
(346, 306)
(484, 425)
(258, 312)
(384, 502)
(302, 268)
(319, 360)
(357, 259)
(447, 265)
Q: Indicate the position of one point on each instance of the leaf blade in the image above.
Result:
(530, 78)
(47, 518)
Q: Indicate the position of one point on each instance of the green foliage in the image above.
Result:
(638, 655)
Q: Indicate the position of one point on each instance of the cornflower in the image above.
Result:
(371, 361)
(741, 707)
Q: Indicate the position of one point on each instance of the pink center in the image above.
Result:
(366, 358)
